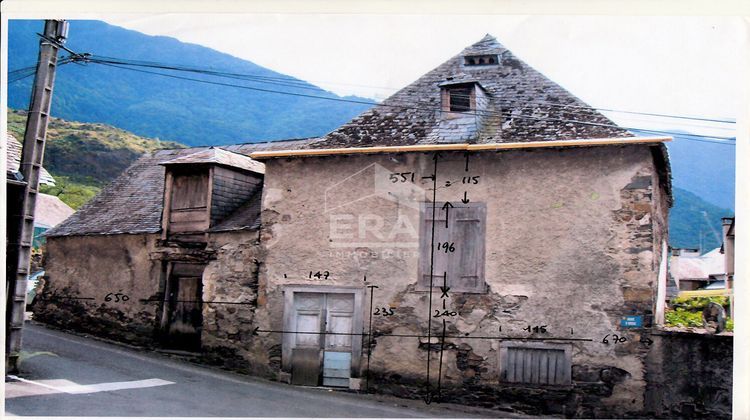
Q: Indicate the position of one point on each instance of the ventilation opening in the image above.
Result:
(481, 60)
(537, 364)
(460, 99)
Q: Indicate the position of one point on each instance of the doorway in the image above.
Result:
(324, 344)
(183, 317)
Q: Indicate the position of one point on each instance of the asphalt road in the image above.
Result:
(69, 375)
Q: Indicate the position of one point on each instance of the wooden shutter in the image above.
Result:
(536, 363)
(466, 231)
(467, 222)
(188, 203)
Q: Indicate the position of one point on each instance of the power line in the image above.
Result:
(651, 114)
(306, 85)
(703, 138)
(76, 57)
(28, 72)
(412, 107)
(259, 79)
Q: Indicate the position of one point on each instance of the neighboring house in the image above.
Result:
(727, 248)
(554, 232)
(690, 270)
(50, 210)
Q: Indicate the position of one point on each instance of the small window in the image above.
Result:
(535, 363)
(481, 60)
(459, 247)
(460, 99)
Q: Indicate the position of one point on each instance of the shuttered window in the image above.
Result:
(535, 363)
(460, 99)
(459, 247)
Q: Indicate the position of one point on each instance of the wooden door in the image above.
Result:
(322, 340)
(337, 357)
(184, 307)
(308, 323)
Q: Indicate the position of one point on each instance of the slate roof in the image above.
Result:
(245, 217)
(50, 211)
(13, 154)
(524, 106)
(217, 156)
(132, 203)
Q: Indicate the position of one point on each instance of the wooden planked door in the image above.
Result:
(337, 358)
(322, 347)
(184, 307)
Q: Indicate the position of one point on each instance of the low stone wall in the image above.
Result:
(690, 375)
(81, 271)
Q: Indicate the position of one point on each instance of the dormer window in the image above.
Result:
(458, 96)
(481, 60)
(460, 99)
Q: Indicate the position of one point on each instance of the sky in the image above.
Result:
(687, 66)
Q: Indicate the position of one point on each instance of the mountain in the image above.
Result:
(168, 108)
(83, 157)
(707, 169)
(695, 223)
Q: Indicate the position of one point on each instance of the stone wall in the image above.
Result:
(569, 245)
(230, 286)
(80, 273)
(690, 375)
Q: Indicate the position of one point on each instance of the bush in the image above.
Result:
(698, 303)
(679, 317)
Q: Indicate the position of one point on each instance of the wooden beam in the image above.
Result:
(458, 147)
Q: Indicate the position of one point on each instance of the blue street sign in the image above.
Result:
(631, 321)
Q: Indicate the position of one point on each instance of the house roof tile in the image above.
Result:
(133, 202)
(13, 153)
(217, 156)
(524, 106)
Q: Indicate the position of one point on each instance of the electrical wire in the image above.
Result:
(296, 83)
(304, 84)
(682, 135)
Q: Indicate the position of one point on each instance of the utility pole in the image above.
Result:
(32, 156)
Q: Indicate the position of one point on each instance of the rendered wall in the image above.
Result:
(80, 271)
(569, 245)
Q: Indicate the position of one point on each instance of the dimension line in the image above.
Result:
(196, 301)
(369, 338)
(428, 396)
(480, 337)
(69, 297)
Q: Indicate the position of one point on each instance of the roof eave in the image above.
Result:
(617, 141)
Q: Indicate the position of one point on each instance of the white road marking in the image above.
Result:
(26, 387)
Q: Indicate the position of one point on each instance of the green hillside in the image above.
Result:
(269, 105)
(694, 222)
(84, 157)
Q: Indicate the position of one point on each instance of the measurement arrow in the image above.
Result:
(465, 199)
(445, 287)
(440, 364)
(446, 206)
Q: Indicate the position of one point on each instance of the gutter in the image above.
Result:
(458, 147)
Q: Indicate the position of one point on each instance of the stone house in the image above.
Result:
(481, 236)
